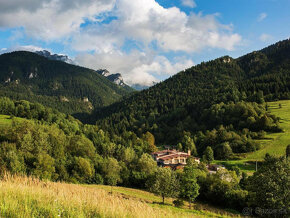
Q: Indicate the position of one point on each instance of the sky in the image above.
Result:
(146, 41)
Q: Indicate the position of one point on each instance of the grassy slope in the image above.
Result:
(275, 144)
(201, 209)
(278, 142)
(27, 197)
(7, 120)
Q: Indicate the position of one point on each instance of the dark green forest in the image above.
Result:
(225, 93)
(68, 88)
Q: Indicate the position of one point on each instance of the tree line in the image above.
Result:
(219, 92)
(57, 147)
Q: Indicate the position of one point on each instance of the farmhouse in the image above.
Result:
(172, 158)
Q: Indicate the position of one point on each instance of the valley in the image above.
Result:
(144, 108)
(231, 112)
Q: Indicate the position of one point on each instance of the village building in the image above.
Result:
(172, 158)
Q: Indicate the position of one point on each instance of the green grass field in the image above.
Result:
(5, 120)
(275, 144)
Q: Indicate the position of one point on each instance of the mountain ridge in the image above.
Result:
(68, 88)
(176, 105)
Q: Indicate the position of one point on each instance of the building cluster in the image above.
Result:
(172, 158)
(175, 159)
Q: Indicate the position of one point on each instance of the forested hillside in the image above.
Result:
(219, 101)
(214, 109)
(55, 146)
(68, 88)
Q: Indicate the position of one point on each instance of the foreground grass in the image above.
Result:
(200, 209)
(275, 144)
(28, 197)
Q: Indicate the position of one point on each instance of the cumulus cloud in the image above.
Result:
(136, 67)
(265, 37)
(142, 21)
(170, 28)
(145, 21)
(262, 16)
(51, 19)
(188, 3)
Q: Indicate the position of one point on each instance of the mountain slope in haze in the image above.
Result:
(179, 104)
(68, 88)
(140, 87)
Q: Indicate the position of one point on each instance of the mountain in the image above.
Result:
(199, 98)
(55, 57)
(68, 88)
(115, 78)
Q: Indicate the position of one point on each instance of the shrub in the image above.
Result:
(178, 203)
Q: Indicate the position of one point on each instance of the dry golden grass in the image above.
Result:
(30, 197)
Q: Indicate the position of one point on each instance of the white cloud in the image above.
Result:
(146, 21)
(136, 67)
(142, 21)
(30, 48)
(51, 19)
(262, 16)
(265, 37)
(188, 3)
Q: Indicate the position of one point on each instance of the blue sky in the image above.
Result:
(144, 40)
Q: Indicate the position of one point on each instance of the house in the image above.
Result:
(172, 158)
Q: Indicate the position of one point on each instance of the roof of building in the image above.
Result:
(171, 156)
(164, 151)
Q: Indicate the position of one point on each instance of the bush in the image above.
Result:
(178, 203)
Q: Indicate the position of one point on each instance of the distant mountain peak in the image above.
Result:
(103, 72)
(55, 57)
(115, 78)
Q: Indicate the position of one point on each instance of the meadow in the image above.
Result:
(22, 196)
(6, 120)
(274, 143)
